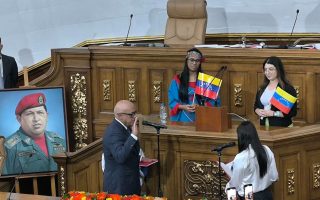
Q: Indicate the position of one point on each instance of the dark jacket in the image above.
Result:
(278, 121)
(121, 152)
(10, 71)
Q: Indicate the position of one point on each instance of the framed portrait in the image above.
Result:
(34, 125)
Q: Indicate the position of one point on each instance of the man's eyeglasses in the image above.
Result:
(194, 60)
(129, 114)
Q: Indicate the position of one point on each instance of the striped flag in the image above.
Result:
(283, 100)
(208, 86)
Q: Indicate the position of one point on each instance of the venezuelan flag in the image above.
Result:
(208, 86)
(283, 100)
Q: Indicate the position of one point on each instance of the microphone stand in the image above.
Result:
(125, 43)
(160, 193)
(219, 171)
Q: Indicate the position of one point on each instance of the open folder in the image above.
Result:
(147, 163)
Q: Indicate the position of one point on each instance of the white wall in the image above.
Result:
(30, 28)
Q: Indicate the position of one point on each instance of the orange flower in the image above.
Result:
(132, 197)
(101, 196)
(78, 196)
(114, 196)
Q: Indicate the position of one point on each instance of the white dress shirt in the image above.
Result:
(1, 73)
(267, 96)
(246, 171)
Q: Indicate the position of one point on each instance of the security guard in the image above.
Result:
(30, 148)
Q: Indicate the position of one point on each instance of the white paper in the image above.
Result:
(227, 168)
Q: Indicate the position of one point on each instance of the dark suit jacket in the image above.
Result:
(10, 71)
(278, 121)
(121, 151)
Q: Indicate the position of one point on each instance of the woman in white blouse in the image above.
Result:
(254, 164)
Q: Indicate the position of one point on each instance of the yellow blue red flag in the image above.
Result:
(208, 86)
(283, 100)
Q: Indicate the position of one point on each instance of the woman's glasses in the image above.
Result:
(192, 60)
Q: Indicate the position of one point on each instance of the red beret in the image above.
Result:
(30, 101)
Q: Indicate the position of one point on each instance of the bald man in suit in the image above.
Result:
(8, 70)
(121, 151)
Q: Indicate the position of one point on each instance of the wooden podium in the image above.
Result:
(215, 119)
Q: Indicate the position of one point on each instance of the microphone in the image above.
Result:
(30, 154)
(157, 126)
(125, 43)
(221, 147)
(294, 24)
(236, 115)
(290, 38)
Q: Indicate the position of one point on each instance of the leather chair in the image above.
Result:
(187, 22)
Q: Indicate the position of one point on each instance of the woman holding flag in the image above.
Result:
(182, 97)
(276, 99)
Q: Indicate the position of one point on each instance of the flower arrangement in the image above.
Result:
(75, 195)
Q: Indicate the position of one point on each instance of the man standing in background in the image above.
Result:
(8, 71)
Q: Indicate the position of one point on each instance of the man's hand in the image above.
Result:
(135, 127)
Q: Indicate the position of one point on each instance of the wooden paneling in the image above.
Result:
(313, 173)
(132, 85)
(187, 167)
(298, 81)
(106, 90)
(290, 178)
(238, 92)
(133, 72)
(316, 100)
(158, 88)
(137, 73)
(82, 180)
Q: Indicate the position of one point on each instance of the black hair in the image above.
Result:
(247, 134)
(184, 77)
(281, 75)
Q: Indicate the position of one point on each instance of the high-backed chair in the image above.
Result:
(187, 22)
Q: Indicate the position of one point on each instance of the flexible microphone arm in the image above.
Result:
(294, 24)
(155, 125)
(235, 114)
(221, 147)
(125, 43)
